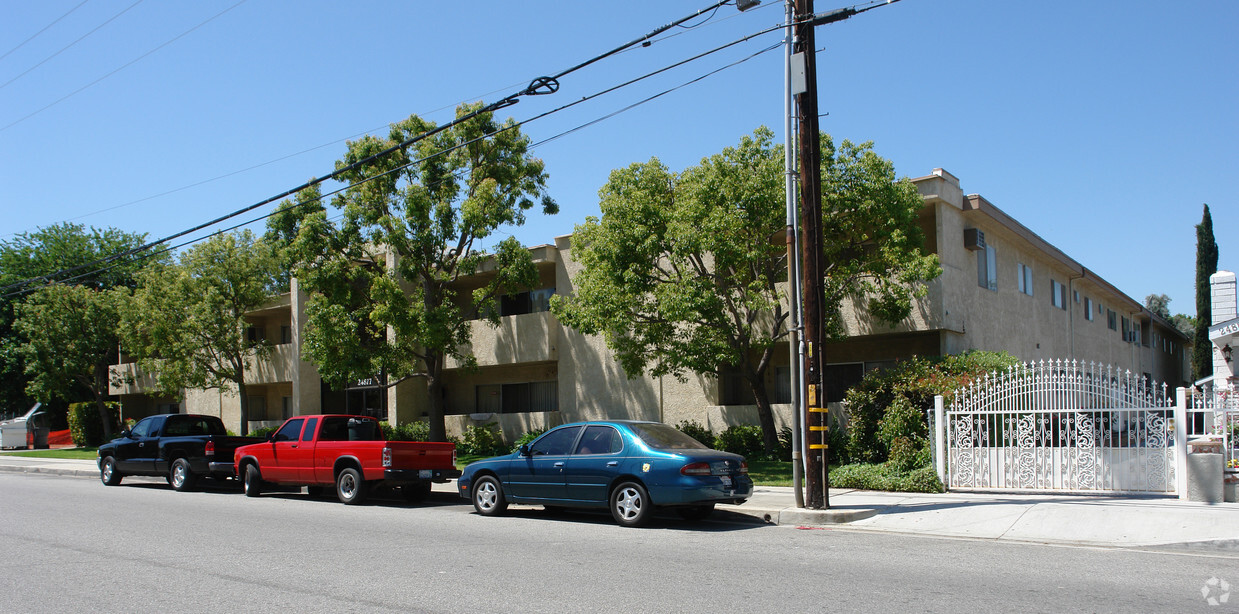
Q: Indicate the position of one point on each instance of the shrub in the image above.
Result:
(409, 431)
(884, 476)
(528, 437)
(693, 429)
(86, 428)
(785, 444)
(481, 440)
(261, 433)
(886, 408)
(743, 440)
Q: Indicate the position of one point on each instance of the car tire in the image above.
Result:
(181, 477)
(416, 493)
(631, 505)
(488, 497)
(108, 473)
(252, 483)
(696, 512)
(350, 486)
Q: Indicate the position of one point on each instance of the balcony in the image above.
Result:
(525, 338)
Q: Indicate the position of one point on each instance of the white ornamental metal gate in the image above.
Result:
(1063, 426)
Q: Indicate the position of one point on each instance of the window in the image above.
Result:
(142, 429)
(987, 268)
(286, 334)
(535, 301)
(291, 431)
(555, 443)
(1024, 272)
(1111, 319)
(1126, 329)
(258, 409)
(782, 385)
(1088, 309)
(287, 406)
(254, 334)
(519, 398)
(309, 429)
(733, 389)
(600, 440)
(1058, 294)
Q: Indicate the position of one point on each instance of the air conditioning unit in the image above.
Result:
(974, 239)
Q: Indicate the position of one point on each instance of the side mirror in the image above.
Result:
(524, 449)
(127, 434)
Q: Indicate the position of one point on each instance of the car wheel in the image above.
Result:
(107, 471)
(415, 493)
(350, 487)
(180, 476)
(253, 481)
(696, 512)
(488, 497)
(630, 505)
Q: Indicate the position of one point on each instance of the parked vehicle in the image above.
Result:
(628, 467)
(344, 452)
(181, 447)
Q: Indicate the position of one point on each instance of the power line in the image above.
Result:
(123, 67)
(541, 85)
(45, 28)
(66, 47)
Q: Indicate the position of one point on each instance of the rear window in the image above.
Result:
(340, 428)
(663, 437)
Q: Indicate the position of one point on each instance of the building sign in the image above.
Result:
(374, 381)
(1225, 329)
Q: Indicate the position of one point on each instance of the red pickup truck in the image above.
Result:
(344, 452)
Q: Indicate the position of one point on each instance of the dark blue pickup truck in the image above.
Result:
(181, 447)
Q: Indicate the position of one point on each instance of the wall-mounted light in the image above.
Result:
(1226, 351)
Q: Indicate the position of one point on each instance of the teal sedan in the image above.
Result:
(628, 467)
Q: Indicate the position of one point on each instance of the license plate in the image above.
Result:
(425, 474)
(726, 480)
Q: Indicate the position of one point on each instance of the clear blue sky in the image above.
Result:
(1101, 125)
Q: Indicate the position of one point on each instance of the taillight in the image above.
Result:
(744, 466)
(210, 448)
(695, 469)
(387, 457)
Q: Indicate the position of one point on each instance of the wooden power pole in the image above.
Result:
(817, 479)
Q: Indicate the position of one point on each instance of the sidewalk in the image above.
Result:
(1103, 521)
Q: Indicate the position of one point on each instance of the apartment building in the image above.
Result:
(1002, 288)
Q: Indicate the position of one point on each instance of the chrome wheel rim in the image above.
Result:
(628, 503)
(486, 495)
(178, 475)
(107, 470)
(348, 486)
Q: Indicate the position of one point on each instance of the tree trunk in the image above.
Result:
(434, 389)
(765, 414)
(100, 390)
(245, 407)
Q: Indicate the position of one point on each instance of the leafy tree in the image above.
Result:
(382, 282)
(70, 337)
(1159, 304)
(186, 322)
(44, 252)
(1206, 265)
(682, 272)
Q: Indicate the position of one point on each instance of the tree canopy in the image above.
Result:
(383, 297)
(684, 272)
(186, 321)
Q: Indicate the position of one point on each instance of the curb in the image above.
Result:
(75, 473)
(798, 516)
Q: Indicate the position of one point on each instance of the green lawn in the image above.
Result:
(69, 453)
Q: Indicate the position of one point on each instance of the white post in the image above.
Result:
(940, 439)
(1180, 442)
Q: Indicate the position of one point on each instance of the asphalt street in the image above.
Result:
(74, 544)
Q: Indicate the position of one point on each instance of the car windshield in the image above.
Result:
(663, 437)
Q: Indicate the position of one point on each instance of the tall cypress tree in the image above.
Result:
(1206, 265)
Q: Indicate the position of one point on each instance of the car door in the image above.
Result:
(594, 462)
(137, 453)
(284, 453)
(302, 456)
(540, 473)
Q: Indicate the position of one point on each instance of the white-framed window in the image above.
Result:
(1088, 309)
(987, 268)
(1058, 294)
(1025, 278)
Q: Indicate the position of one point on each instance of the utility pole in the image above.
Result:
(817, 480)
